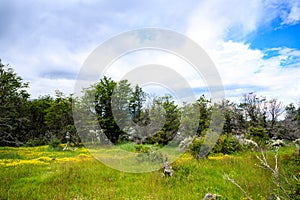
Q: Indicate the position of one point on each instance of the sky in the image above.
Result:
(255, 45)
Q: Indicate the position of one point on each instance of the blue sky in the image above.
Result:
(283, 37)
(254, 44)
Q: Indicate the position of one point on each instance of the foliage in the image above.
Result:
(255, 108)
(291, 124)
(196, 145)
(185, 144)
(54, 144)
(38, 131)
(258, 135)
(103, 92)
(172, 121)
(59, 118)
(13, 101)
(36, 142)
(140, 148)
(205, 112)
(126, 113)
(227, 144)
(136, 102)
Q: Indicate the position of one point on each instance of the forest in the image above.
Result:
(33, 122)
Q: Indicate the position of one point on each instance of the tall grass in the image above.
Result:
(49, 174)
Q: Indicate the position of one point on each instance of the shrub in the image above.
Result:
(148, 153)
(196, 146)
(141, 148)
(258, 135)
(36, 142)
(227, 144)
(185, 144)
(54, 143)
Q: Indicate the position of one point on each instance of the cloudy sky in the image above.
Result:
(254, 44)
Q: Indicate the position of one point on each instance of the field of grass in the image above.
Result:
(44, 173)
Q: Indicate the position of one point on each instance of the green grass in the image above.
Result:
(43, 173)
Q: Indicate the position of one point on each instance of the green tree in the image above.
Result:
(189, 120)
(172, 121)
(137, 100)
(205, 114)
(259, 135)
(234, 122)
(13, 101)
(103, 95)
(37, 131)
(59, 118)
(148, 126)
(117, 107)
(120, 105)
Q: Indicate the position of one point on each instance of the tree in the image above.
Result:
(103, 95)
(258, 135)
(37, 131)
(291, 123)
(235, 122)
(136, 104)
(150, 122)
(255, 109)
(205, 114)
(59, 118)
(117, 107)
(172, 120)
(275, 109)
(120, 105)
(13, 99)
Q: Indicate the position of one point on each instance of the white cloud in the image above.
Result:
(247, 70)
(241, 68)
(52, 39)
(213, 20)
(174, 70)
(37, 86)
(292, 16)
(48, 42)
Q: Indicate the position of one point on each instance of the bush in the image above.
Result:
(36, 142)
(227, 144)
(54, 143)
(141, 148)
(258, 135)
(185, 144)
(148, 153)
(195, 147)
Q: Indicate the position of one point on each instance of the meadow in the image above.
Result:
(46, 173)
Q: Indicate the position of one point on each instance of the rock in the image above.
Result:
(210, 196)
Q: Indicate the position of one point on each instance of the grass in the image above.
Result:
(44, 173)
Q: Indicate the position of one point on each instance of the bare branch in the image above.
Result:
(236, 184)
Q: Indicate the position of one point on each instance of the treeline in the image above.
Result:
(126, 113)
(31, 122)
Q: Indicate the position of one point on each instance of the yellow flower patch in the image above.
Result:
(222, 157)
(16, 162)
